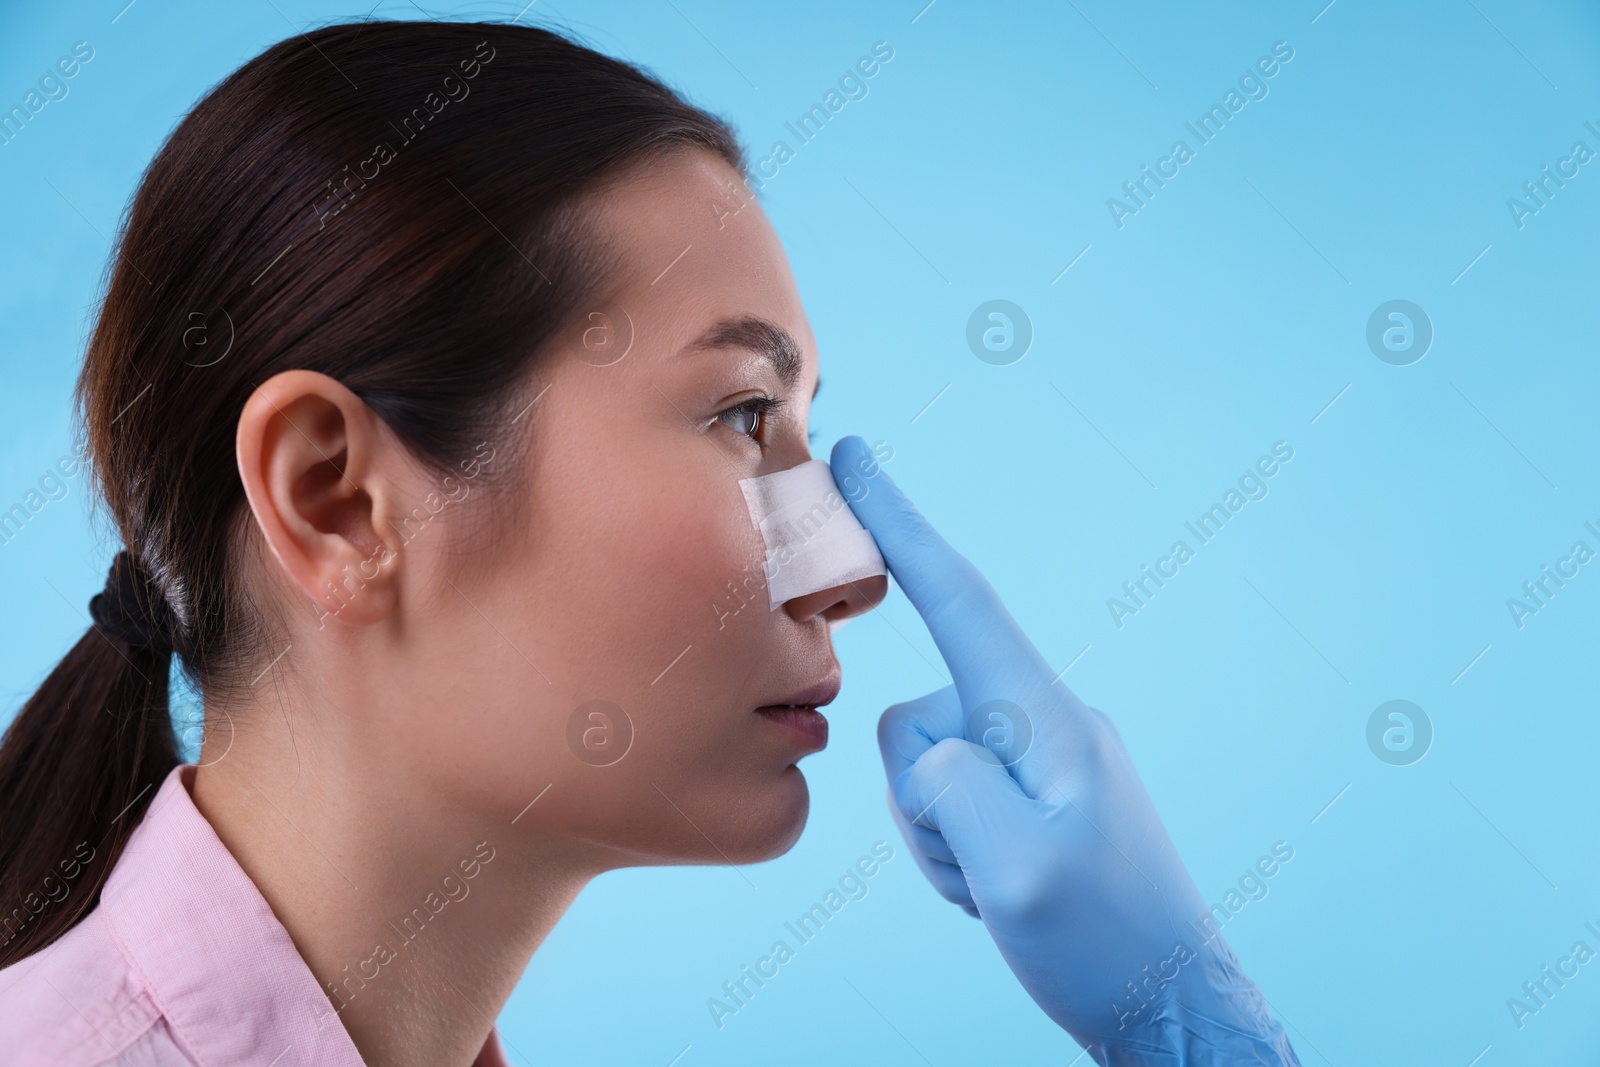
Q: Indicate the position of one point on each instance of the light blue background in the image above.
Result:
(1223, 317)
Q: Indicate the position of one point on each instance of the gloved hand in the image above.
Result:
(1043, 829)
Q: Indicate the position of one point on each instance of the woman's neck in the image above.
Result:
(416, 915)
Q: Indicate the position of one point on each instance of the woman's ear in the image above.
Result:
(317, 464)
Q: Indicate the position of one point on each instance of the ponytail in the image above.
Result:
(78, 767)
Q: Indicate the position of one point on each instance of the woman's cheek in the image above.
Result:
(676, 542)
(710, 544)
(740, 554)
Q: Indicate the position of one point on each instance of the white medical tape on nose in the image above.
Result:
(813, 540)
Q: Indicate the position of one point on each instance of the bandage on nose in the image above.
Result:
(813, 540)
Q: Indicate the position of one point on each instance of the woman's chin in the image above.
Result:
(776, 826)
(737, 825)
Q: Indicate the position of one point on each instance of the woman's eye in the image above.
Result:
(744, 419)
(749, 418)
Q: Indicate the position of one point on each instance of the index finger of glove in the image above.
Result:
(985, 649)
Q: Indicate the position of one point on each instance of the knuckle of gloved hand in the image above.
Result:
(974, 592)
(1107, 724)
(1025, 891)
(1102, 751)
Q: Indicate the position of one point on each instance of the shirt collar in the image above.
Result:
(218, 963)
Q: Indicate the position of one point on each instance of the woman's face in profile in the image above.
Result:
(621, 642)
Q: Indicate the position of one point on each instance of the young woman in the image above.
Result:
(430, 361)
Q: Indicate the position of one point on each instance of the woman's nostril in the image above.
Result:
(869, 592)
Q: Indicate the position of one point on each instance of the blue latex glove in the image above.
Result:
(1043, 829)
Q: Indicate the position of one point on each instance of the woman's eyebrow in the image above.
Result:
(764, 338)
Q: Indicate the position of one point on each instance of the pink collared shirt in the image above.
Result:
(182, 964)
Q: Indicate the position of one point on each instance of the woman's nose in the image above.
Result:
(839, 602)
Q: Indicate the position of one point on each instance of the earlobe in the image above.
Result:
(313, 457)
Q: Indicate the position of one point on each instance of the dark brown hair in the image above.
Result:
(394, 204)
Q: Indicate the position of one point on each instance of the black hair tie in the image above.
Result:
(131, 609)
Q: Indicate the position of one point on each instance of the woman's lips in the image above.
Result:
(823, 691)
(798, 713)
(806, 724)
